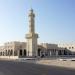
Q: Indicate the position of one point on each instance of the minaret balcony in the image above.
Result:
(31, 35)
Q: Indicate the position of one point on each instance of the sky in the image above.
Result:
(54, 20)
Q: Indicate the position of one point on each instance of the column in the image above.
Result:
(56, 53)
(50, 53)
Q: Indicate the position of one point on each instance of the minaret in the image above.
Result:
(32, 36)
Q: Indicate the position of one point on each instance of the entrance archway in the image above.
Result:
(24, 52)
(39, 52)
(60, 52)
(20, 52)
(11, 52)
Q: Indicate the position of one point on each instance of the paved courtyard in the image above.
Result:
(67, 63)
(24, 68)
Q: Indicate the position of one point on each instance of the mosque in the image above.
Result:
(31, 48)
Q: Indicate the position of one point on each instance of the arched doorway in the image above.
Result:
(24, 52)
(6, 52)
(59, 52)
(11, 52)
(39, 52)
(65, 52)
(20, 52)
(1, 53)
(15, 53)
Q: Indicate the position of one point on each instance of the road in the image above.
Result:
(24, 68)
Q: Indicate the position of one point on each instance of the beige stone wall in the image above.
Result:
(49, 46)
(71, 47)
(12, 48)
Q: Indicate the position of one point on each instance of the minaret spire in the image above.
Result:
(31, 21)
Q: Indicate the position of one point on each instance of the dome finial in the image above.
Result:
(31, 10)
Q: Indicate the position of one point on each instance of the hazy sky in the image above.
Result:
(55, 20)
